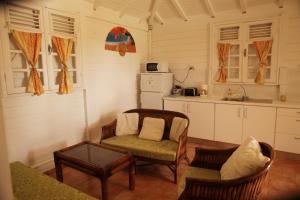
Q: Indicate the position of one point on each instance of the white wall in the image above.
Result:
(5, 181)
(183, 44)
(187, 43)
(35, 126)
(111, 78)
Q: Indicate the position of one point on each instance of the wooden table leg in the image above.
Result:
(132, 175)
(104, 188)
(58, 169)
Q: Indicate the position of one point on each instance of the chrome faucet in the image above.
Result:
(245, 97)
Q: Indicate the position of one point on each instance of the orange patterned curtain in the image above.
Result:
(30, 44)
(262, 49)
(223, 51)
(64, 48)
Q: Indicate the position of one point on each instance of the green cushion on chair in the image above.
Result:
(29, 183)
(161, 150)
(200, 173)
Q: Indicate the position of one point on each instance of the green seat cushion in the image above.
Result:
(161, 150)
(200, 173)
(29, 183)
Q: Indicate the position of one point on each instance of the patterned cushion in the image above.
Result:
(28, 183)
(200, 173)
(161, 150)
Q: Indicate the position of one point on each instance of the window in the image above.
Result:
(32, 19)
(63, 26)
(242, 65)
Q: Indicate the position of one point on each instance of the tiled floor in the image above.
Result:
(155, 182)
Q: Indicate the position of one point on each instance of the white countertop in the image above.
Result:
(211, 99)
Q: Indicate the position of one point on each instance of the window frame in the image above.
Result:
(243, 41)
(48, 78)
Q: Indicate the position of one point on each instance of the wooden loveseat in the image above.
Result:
(166, 151)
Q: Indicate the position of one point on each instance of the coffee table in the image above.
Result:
(97, 160)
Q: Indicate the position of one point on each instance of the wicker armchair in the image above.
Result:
(244, 188)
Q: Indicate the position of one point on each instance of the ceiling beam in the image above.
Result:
(96, 4)
(209, 8)
(179, 9)
(280, 3)
(155, 4)
(243, 5)
(144, 16)
(159, 18)
(125, 8)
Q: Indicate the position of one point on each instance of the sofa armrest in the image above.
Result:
(212, 189)
(182, 143)
(109, 130)
(211, 158)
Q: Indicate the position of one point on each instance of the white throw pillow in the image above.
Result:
(245, 160)
(178, 126)
(152, 129)
(127, 124)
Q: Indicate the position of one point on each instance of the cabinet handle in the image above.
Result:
(297, 138)
(245, 112)
(245, 52)
(297, 120)
(298, 112)
(239, 113)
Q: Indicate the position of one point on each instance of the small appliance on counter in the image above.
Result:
(203, 90)
(190, 91)
(177, 90)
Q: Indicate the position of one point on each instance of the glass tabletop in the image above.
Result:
(93, 154)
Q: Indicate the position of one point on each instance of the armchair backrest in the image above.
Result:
(164, 114)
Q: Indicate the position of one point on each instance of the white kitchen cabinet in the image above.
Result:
(234, 123)
(201, 117)
(287, 137)
(259, 122)
(228, 123)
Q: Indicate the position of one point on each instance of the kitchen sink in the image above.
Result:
(248, 100)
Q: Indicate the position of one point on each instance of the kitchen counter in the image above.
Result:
(212, 99)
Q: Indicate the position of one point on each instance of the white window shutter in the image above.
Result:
(229, 33)
(62, 25)
(24, 18)
(257, 31)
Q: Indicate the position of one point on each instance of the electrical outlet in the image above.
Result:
(191, 68)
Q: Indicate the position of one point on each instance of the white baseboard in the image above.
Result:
(44, 166)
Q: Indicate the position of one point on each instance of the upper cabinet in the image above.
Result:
(242, 62)
(49, 23)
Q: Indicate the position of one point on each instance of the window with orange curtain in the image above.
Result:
(64, 48)
(47, 69)
(242, 63)
(30, 46)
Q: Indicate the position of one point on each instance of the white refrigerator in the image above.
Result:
(154, 86)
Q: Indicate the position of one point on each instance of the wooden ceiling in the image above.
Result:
(162, 10)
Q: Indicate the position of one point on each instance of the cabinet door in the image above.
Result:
(228, 123)
(201, 117)
(259, 122)
(178, 106)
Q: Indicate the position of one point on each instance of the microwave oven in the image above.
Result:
(156, 66)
